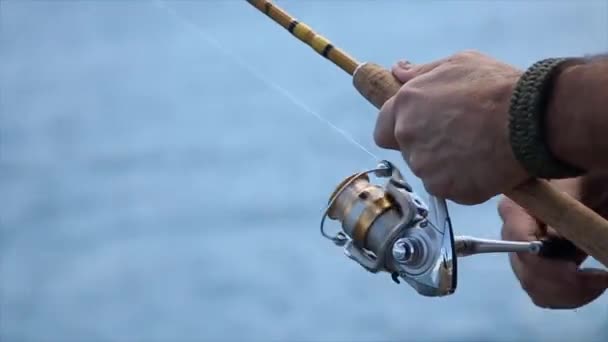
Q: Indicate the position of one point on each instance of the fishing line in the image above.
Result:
(235, 58)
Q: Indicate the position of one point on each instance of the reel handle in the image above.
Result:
(573, 220)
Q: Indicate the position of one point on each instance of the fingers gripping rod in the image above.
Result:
(576, 222)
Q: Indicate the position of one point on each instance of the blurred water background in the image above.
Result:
(154, 190)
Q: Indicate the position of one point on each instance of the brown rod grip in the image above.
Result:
(375, 83)
(576, 222)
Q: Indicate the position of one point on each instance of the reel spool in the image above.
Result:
(388, 228)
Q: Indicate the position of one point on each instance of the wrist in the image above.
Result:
(528, 114)
(565, 124)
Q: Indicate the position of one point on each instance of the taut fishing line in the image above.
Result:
(235, 58)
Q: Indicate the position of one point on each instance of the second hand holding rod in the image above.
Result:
(570, 218)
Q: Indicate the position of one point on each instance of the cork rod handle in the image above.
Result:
(576, 222)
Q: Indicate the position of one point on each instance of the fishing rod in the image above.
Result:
(389, 228)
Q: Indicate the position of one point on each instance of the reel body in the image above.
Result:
(388, 228)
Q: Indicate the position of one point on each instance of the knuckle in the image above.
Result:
(404, 133)
(416, 167)
(439, 189)
(404, 95)
(468, 53)
(382, 139)
(384, 131)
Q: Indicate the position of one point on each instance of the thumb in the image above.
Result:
(405, 71)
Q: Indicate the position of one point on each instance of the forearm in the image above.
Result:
(577, 117)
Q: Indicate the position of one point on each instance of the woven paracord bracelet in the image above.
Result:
(527, 126)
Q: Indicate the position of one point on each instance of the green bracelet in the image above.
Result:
(526, 122)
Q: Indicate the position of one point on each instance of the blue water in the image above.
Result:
(155, 190)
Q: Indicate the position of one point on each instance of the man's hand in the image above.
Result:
(450, 122)
(555, 284)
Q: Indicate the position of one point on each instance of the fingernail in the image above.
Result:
(404, 64)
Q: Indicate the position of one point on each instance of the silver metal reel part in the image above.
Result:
(389, 228)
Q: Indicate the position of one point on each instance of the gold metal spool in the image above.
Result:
(354, 190)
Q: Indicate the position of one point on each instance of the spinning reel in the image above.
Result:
(389, 228)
